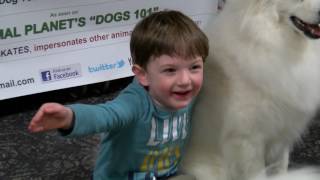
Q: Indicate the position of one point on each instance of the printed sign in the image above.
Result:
(48, 45)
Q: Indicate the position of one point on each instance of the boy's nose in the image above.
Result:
(184, 78)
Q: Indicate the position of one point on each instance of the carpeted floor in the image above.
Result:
(47, 156)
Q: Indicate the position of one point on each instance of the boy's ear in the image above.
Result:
(140, 74)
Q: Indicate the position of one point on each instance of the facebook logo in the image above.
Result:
(60, 73)
(46, 75)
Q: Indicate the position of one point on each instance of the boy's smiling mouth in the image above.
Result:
(182, 94)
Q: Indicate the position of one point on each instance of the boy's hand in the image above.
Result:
(51, 116)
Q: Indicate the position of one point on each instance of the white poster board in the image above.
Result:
(47, 45)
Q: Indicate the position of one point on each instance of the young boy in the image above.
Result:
(146, 127)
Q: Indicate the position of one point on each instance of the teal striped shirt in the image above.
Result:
(139, 140)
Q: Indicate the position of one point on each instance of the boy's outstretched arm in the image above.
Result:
(51, 116)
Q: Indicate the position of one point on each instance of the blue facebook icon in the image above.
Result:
(46, 75)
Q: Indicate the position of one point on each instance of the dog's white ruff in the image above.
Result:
(261, 90)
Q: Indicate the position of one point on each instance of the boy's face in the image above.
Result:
(172, 81)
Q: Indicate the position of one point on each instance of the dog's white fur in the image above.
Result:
(261, 90)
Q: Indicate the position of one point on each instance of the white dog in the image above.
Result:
(261, 90)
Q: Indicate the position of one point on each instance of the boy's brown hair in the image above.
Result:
(167, 33)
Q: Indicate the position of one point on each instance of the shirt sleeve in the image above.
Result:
(110, 116)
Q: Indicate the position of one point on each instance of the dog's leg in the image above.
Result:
(243, 157)
(277, 159)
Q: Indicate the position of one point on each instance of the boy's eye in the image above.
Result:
(169, 70)
(195, 67)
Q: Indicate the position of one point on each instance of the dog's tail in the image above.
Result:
(299, 174)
